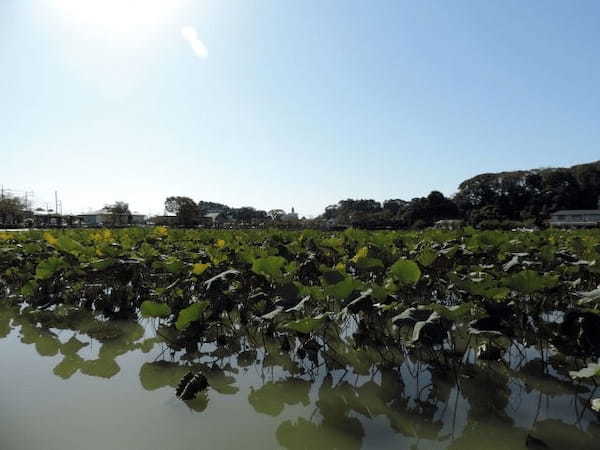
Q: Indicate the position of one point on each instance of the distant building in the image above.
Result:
(104, 217)
(216, 218)
(51, 219)
(163, 220)
(290, 217)
(575, 218)
(449, 224)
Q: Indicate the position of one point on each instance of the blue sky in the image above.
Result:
(289, 103)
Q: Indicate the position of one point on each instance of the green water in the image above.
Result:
(88, 386)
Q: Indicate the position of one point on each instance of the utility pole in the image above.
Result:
(56, 202)
(29, 196)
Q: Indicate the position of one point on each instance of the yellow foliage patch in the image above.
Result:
(103, 236)
(361, 253)
(161, 231)
(50, 239)
(198, 269)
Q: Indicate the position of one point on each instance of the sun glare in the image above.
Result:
(118, 15)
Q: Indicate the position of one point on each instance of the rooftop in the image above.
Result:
(576, 212)
(102, 212)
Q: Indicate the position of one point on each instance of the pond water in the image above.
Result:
(88, 385)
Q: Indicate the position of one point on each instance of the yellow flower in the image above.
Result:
(220, 243)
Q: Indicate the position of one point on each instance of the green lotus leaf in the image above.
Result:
(30, 288)
(343, 289)
(102, 367)
(269, 266)
(369, 263)
(529, 281)
(68, 366)
(173, 265)
(271, 398)
(427, 257)
(190, 314)
(306, 325)
(154, 309)
(67, 245)
(406, 272)
(48, 267)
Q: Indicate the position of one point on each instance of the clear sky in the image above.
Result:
(287, 103)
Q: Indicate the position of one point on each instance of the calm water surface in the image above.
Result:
(90, 386)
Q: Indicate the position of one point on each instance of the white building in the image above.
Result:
(104, 216)
(290, 217)
(575, 218)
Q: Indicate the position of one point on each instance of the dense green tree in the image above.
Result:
(12, 210)
(118, 208)
(394, 206)
(530, 195)
(186, 210)
(205, 207)
(588, 177)
(119, 214)
(247, 214)
(425, 211)
(276, 214)
(561, 191)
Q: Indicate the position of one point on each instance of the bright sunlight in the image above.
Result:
(118, 15)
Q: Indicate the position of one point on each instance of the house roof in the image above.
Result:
(576, 212)
(95, 213)
(103, 212)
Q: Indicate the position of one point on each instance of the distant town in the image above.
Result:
(537, 198)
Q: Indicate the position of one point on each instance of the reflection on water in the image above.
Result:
(40, 328)
(309, 395)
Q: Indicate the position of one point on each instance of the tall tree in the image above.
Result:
(186, 210)
(206, 207)
(119, 214)
(425, 211)
(12, 210)
(276, 214)
(248, 214)
(119, 208)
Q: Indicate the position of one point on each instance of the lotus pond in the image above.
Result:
(163, 338)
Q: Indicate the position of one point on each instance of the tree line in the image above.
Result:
(489, 200)
(188, 212)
